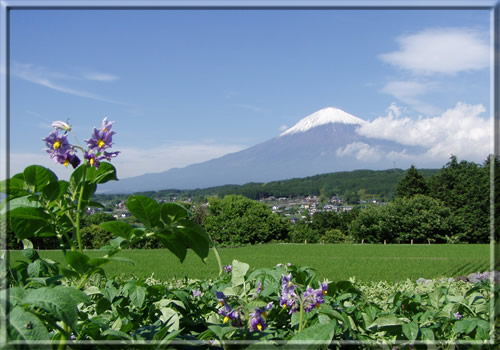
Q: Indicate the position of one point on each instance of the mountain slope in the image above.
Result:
(325, 141)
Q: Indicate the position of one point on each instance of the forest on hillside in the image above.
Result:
(380, 183)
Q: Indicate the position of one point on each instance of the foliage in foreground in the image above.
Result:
(278, 306)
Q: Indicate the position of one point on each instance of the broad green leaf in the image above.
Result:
(38, 177)
(173, 243)
(318, 336)
(171, 317)
(171, 212)
(410, 330)
(76, 178)
(427, 334)
(29, 252)
(105, 173)
(240, 269)
(136, 293)
(386, 321)
(34, 268)
(13, 186)
(118, 228)
(145, 209)
(51, 191)
(60, 302)
(194, 237)
(19, 202)
(26, 222)
(78, 261)
(465, 326)
(25, 326)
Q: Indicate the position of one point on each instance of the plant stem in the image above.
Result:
(79, 209)
(301, 316)
(216, 252)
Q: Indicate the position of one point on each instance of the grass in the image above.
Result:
(333, 261)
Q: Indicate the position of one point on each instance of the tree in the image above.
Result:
(464, 187)
(418, 218)
(236, 220)
(412, 184)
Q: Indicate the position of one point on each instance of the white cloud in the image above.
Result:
(41, 76)
(408, 92)
(134, 161)
(441, 50)
(460, 131)
(361, 151)
(101, 77)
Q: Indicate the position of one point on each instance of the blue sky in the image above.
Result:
(185, 86)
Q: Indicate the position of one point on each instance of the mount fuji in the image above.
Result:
(323, 142)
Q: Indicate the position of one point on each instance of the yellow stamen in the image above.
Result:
(226, 319)
(318, 305)
(101, 143)
(259, 326)
(264, 314)
(221, 303)
(91, 161)
(66, 162)
(57, 144)
(325, 292)
(284, 306)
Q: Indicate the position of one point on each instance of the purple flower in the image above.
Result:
(259, 287)
(313, 298)
(257, 323)
(288, 298)
(196, 293)
(228, 313)
(227, 268)
(57, 145)
(101, 138)
(68, 158)
(92, 159)
(269, 306)
(458, 316)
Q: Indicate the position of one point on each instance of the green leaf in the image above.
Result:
(427, 334)
(118, 228)
(171, 212)
(105, 173)
(318, 336)
(172, 242)
(78, 261)
(410, 330)
(386, 321)
(145, 209)
(38, 177)
(76, 178)
(60, 302)
(26, 222)
(240, 269)
(51, 191)
(194, 237)
(136, 293)
(13, 186)
(465, 326)
(23, 326)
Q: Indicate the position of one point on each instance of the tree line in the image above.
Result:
(450, 206)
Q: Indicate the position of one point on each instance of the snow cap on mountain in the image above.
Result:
(323, 116)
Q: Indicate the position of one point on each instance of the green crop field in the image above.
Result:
(333, 261)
